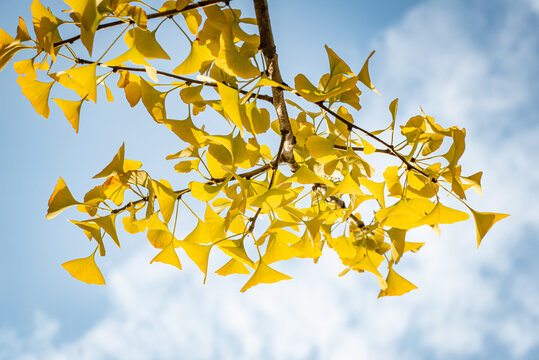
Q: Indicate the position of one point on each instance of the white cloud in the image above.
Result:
(467, 299)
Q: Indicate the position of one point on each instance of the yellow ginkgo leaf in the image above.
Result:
(107, 223)
(45, 27)
(406, 213)
(205, 192)
(230, 101)
(391, 175)
(233, 266)
(199, 254)
(187, 131)
(193, 19)
(85, 269)
(230, 60)
(306, 176)
(168, 256)
(215, 225)
(320, 148)
(198, 58)
(396, 285)
(348, 186)
(38, 93)
(375, 188)
(26, 67)
(119, 165)
(158, 233)
(236, 250)
(277, 250)
(310, 93)
(336, 64)
(442, 214)
(368, 148)
(84, 81)
(22, 31)
(364, 76)
(142, 46)
(86, 12)
(71, 111)
(258, 120)
(166, 198)
(484, 221)
(264, 275)
(60, 199)
(154, 101)
(199, 235)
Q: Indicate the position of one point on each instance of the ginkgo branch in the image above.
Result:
(267, 45)
(161, 14)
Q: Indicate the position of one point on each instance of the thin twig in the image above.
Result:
(198, 5)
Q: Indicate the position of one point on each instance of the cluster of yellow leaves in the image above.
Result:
(236, 175)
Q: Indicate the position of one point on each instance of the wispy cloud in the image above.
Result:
(446, 56)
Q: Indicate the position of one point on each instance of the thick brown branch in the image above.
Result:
(161, 14)
(267, 45)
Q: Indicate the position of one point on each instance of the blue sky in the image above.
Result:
(469, 63)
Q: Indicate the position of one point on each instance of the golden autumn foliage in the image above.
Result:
(293, 156)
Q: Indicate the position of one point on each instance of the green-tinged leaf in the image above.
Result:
(264, 275)
(364, 76)
(484, 221)
(60, 199)
(336, 64)
(71, 110)
(396, 285)
(169, 256)
(85, 269)
(233, 266)
(38, 93)
(310, 93)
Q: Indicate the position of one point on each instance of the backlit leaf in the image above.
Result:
(442, 214)
(264, 275)
(396, 285)
(230, 60)
(71, 110)
(364, 76)
(169, 256)
(119, 165)
(484, 221)
(60, 199)
(85, 269)
(232, 267)
(38, 94)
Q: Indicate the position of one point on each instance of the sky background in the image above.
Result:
(470, 63)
